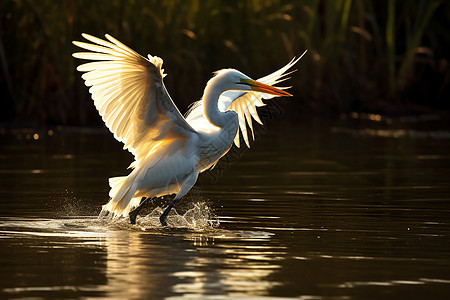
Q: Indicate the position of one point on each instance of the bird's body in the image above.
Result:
(170, 151)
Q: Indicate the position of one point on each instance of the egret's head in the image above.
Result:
(232, 79)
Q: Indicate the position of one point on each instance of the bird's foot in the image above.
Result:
(163, 220)
(134, 213)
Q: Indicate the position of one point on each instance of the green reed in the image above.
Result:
(359, 51)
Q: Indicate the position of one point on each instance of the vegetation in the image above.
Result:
(362, 55)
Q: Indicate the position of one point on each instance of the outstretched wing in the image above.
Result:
(245, 103)
(129, 93)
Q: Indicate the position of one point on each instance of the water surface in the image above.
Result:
(355, 208)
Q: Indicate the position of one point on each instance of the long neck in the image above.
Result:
(210, 109)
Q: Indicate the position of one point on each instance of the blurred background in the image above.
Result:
(387, 57)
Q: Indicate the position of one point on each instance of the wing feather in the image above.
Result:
(129, 93)
(93, 56)
(254, 113)
(248, 117)
(245, 103)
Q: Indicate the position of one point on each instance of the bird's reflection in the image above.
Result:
(185, 262)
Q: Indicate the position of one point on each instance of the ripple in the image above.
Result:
(354, 284)
(393, 133)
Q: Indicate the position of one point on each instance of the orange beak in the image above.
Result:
(264, 88)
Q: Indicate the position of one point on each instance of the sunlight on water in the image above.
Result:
(197, 218)
(77, 227)
(131, 249)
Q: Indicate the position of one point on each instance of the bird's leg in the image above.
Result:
(133, 214)
(163, 217)
(185, 187)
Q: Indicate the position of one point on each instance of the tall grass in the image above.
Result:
(361, 53)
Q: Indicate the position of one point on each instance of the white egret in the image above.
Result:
(169, 150)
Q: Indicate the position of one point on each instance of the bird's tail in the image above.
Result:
(121, 193)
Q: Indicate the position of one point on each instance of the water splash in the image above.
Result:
(198, 217)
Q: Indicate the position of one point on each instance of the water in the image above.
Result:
(354, 208)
